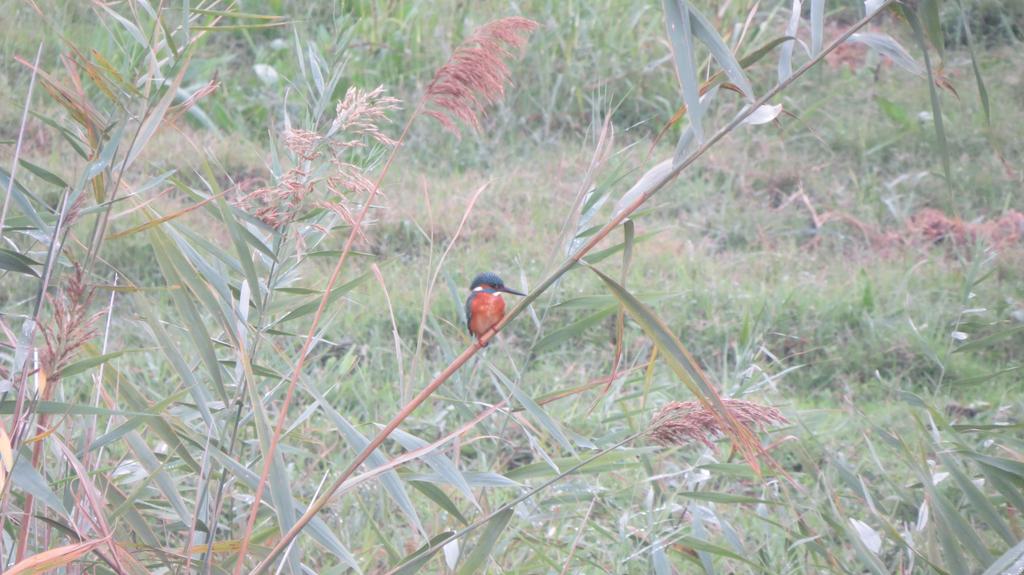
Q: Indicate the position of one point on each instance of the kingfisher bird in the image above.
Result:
(485, 306)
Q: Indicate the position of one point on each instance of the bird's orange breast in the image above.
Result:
(485, 310)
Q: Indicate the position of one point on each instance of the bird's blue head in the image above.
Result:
(490, 282)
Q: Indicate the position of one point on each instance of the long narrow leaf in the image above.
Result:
(686, 368)
(485, 545)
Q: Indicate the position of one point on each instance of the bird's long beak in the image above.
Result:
(511, 291)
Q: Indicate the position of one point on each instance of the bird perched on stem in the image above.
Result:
(485, 306)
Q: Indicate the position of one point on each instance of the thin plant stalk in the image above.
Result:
(569, 263)
(21, 136)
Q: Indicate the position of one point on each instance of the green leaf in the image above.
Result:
(412, 563)
(21, 197)
(438, 462)
(30, 481)
(13, 261)
(1010, 562)
(573, 330)
(435, 494)
(706, 33)
(535, 410)
(929, 13)
(88, 363)
(62, 408)
(615, 461)
(683, 364)
(172, 350)
(785, 68)
(357, 441)
(311, 306)
(990, 339)
(476, 560)
(680, 33)
(982, 91)
(817, 25)
(940, 131)
(887, 46)
(43, 174)
(177, 269)
(719, 497)
(702, 545)
(1010, 466)
(981, 504)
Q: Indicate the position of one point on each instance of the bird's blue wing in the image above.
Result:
(469, 310)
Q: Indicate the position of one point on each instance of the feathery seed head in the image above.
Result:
(684, 422)
(476, 73)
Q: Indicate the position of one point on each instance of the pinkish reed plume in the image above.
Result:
(357, 122)
(476, 73)
(684, 422)
(70, 327)
(360, 115)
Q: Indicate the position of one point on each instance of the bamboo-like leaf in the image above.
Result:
(412, 563)
(617, 461)
(443, 466)
(686, 368)
(928, 11)
(134, 422)
(62, 408)
(869, 559)
(167, 484)
(982, 91)
(887, 46)
(136, 400)
(176, 269)
(390, 480)
(981, 504)
(703, 545)
(545, 420)
(1008, 562)
(13, 261)
(817, 25)
(43, 174)
(988, 340)
(317, 528)
(572, 331)
(720, 497)
(54, 558)
(1010, 466)
(155, 117)
(311, 306)
(88, 363)
(680, 33)
(940, 131)
(647, 183)
(173, 353)
(435, 494)
(720, 51)
(21, 197)
(26, 478)
(477, 559)
(786, 57)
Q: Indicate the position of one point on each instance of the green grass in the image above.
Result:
(848, 326)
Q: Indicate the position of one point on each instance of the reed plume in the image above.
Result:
(358, 118)
(685, 422)
(476, 74)
(70, 327)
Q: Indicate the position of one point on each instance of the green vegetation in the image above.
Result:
(185, 188)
